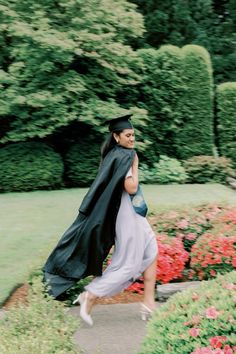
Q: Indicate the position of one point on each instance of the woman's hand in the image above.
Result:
(135, 162)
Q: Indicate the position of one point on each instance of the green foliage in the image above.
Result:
(210, 309)
(226, 113)
(194, 135)
(177, 91)
(205, 169)
(42, 326)
(61, 60)
(166, 171)
(160, 92)
(208, 23)
(29, 166)
(82, 161)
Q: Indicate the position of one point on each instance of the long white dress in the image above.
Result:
(135, 249)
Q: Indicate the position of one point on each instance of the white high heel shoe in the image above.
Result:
(82, 299)
(145, 312)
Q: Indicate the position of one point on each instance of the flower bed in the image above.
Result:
(196, 321)
(194, 244)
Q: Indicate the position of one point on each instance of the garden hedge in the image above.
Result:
(196, 321)
(29, 166)
(177, 91)
(226, 116)
(194, 135)
(160, 93)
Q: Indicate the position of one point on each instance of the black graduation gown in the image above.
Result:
(87, 242)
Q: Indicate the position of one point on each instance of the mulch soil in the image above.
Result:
(19, 296)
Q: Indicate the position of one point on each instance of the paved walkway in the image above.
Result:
(117, 329)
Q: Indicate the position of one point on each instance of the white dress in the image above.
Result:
(135, 249)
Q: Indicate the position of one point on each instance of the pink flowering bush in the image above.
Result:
(213, 254)
(186, 224)
(197, 321)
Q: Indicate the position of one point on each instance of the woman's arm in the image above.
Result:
(131, 183)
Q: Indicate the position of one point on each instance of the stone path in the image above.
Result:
(117, 329)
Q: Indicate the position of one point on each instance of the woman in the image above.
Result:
(112, 212)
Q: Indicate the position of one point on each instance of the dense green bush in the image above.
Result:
(160, 92)
(82, 161)
(194, 133)
(29, 166)
(226, 114)
(203, 169)
(166, 171)
(42, 326)
(195, 319)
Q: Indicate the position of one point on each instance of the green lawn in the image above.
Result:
(32, 222)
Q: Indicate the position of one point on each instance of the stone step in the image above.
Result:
(164, 291)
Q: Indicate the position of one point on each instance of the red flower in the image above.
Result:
(217, 341)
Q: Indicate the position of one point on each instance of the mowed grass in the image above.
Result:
(31, 223)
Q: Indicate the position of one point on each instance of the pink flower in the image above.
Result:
(182, 224)
(217, 341)
(191, 236)
(212, 313)
(194, 332)
(230, 286)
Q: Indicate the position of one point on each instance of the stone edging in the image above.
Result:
(164, 291)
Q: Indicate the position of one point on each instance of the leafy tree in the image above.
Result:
(64, 61)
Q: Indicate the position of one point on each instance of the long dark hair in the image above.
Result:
(109, 143)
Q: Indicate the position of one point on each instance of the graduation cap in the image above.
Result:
(119, 123)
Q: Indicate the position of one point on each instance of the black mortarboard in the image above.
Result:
(120, 123)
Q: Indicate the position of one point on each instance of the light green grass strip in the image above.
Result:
(31, 223)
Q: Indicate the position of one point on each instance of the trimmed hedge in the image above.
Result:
(29, 166)
(177, 91)
(195, 319)
(160, 92)
(82, 161)
(226, 115)
(194, 135)
(205, 169)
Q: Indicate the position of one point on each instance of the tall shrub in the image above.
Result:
(160, 92)
(194, 135)
(177, 90)
(226, 115)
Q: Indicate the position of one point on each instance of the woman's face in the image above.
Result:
(126, 138)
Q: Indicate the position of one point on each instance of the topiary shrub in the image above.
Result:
(226, 119)
(166, 171)
(205, 169)
(28, 166)
(196, 321)
(82, 162)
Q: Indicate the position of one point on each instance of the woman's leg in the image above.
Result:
(149, 276)
(90, 301)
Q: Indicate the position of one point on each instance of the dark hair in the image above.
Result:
(109, 143)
